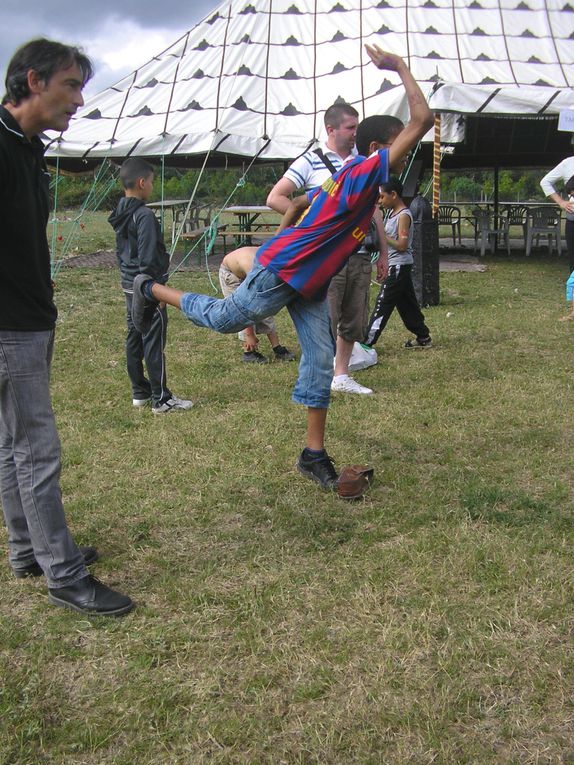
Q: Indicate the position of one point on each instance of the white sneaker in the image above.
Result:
(346, 384)
(171, 405)
(139, 402)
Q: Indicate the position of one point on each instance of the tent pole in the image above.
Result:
(436, 166)
(496, 202)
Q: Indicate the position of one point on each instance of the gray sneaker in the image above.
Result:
(141, 402)
(173, 404)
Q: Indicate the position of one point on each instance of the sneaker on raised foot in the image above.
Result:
(254, 357)
(283, 354)
(346, 384)
(172, 404)
(318, 468)
(419, 342)
(90, 596)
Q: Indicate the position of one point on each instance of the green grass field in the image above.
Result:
(431, 622)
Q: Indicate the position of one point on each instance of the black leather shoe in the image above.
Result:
(89, 596)
(33, 569)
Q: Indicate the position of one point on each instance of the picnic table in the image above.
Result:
(248, 223)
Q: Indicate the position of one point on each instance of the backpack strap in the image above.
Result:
(326, 161)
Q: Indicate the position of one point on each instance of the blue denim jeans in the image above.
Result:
(30, 461)
(263, 294)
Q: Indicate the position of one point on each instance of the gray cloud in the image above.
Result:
(80, 23)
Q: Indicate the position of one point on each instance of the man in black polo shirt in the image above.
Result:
(44, 83)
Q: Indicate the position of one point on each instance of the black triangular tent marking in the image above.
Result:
(145, 111)
(290, 111)
(385, 85)
(193, 105)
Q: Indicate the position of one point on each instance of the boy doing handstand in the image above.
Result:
(294, 268)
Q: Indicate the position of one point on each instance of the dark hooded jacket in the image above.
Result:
(139, 242)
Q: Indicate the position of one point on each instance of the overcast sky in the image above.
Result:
(118, 35)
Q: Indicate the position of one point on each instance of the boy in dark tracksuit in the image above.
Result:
(140, 249)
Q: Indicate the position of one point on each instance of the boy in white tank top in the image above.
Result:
(397, 290)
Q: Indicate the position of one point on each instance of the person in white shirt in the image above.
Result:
(564, 171)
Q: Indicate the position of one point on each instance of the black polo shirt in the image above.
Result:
(26, 292)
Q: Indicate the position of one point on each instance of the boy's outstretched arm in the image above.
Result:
(421, 117)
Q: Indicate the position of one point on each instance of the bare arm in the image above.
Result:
(562, 172)
(293, 212)
(278, 198)
(383, 259)
(401, 243)
(566, 204)
(421, 117)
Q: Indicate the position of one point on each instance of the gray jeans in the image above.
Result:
(30, 461)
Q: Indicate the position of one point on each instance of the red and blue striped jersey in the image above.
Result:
(309, 254)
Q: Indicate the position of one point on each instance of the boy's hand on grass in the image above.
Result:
(250, 343)
(384, 60)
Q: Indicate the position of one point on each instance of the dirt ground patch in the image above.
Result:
(107, 259)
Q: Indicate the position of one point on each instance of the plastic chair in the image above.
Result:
(449, 215)
(485, 231)
(544, 221)
(515, 215)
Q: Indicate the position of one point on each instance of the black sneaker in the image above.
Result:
(420, 342)
(283, 354)
(143, 310)
(319, 469)
(33, 569)
(254, 357)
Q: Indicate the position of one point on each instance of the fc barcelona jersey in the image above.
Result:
(309, 254)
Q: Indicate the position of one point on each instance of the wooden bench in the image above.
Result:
(197, 233)
(260, 233)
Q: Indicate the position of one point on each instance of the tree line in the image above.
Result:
(220, 186)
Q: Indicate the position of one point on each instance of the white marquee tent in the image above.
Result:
(255, 76)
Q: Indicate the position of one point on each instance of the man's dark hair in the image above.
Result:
(133, 169)
(393, 184)
(380, 128)
(335, 113)
(45, 57)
